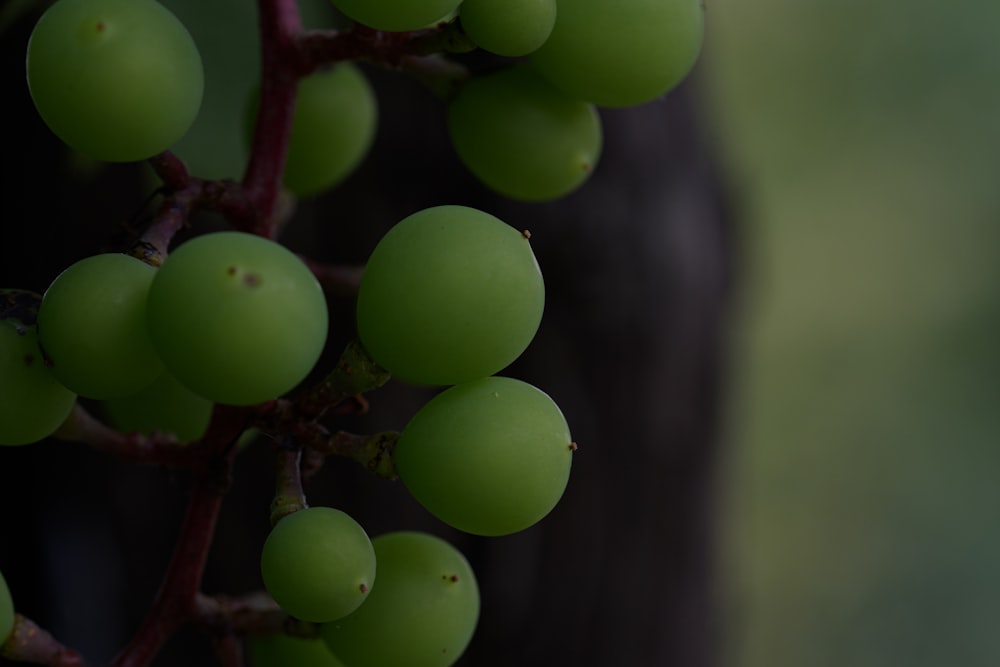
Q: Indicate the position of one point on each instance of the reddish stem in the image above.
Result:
(280, 24)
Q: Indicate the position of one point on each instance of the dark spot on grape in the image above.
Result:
(29, 359)
(526, 234)
(363, 588)
(251, 280)
(453, 578)
(48, 362)
(231, 271)
(573, 447)
(586, 167)
(100, 26)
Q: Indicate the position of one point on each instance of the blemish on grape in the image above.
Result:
(363, 588)
(573, 447)
(526, 234)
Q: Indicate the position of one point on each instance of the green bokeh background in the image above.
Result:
(861, 510)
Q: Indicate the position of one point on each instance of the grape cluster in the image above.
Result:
(449, 298)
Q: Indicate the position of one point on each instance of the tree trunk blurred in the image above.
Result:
(638, 266)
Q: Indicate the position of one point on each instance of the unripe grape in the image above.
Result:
(92, 325)
(621, 53)
(6, 611)
(288, 651)
(508, 27)
(318, 564)
(165, 406)
(118, 80)
(33, 404)
(522, 136)
(396, 15)
(489, 457)
(237, 318)
(422, 611)
(449, 294)
(336, 114)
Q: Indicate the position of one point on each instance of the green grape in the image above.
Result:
(396, 15)
(318, 564)
(92, 326)
(522, 137)
(287, 651)
(335, 119)
(422, 611)
(165, 406)
(237, 318)
(118, 80)
(33, 404)
(6, 611)
(489, 457)
(621, 53)
(449, 294)
(508, 27)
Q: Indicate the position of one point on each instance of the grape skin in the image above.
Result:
(32, 402)
(523, 137)
(422, 611)
(318, 564)
(118, 80)
(508, 27)
(396, 15)
(488, 457)
(621, 53)
(6, 610)
(237, 318)
(449, 294)
(92, 325)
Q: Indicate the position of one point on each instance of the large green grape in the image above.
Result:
(621, 53)
(422, 611)
(449, 294)
(92, 326)
(6, 611)
(236, 318)
(118, 80)
(335, 119)
(318, 564)
(396, 15)
(489, 457)
(33, 404)
(287, 651)
(523, 137)
(508, 27)
(165, 406)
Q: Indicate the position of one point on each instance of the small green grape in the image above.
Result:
(621, 53)
(33, 404)
(237, 318)
(335, 120)
(422, 611)
(523, 137)
(165, 406)
(449, 294)
(396, 15)
(288, 651)
(508, 27)
(92, 326)
(118, 80)
(489, 457)
(318, 564)
(6, 611)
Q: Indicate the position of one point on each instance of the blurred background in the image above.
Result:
(863, 141)
(773, 324)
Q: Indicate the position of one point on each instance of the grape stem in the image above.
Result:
(29, 643)
(289, 496)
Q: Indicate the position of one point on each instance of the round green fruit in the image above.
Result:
(318, 564)
(237, 318)
(118, 80)
(489, 457)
